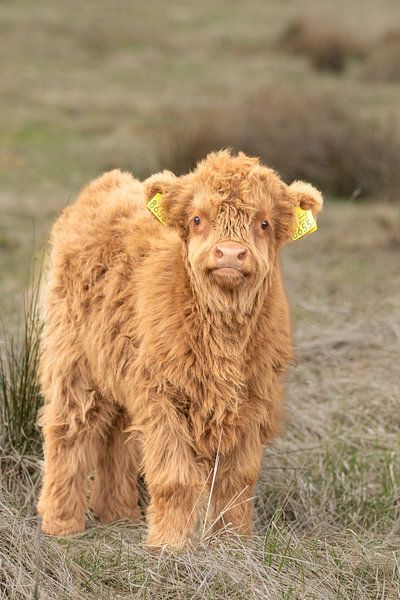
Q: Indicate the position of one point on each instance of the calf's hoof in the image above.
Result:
(159, 548)
(62, 527)
(157, 543)
(131, 514)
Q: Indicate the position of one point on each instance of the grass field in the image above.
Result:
(86, 87)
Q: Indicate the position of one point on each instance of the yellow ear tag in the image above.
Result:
(305, 223)
(155, 207)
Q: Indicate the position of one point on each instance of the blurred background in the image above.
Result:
(313, 88)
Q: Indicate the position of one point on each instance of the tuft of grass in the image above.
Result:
(20, 398)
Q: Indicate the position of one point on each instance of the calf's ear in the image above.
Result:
(307, 196)
(299, 193)
(175, 197)
(159, 183)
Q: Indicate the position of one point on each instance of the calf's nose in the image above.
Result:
(229, 253)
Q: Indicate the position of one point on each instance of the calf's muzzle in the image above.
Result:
(229, 255)
(229, 263)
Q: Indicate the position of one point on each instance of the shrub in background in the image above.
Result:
(184, 138)
(316, 137)
(383, 60)
(303, 135)
(326, 48)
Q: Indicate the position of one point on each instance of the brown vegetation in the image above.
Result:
(312, 136)
(326, 48)
(330, 49)
(383, 60)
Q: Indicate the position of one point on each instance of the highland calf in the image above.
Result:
(164, 346)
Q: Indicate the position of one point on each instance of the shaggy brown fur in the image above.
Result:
(165, 345)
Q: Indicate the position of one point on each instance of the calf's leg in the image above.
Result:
(233, 507)
(175, 484)
(73, 424)
(232, 495)
(63, 498)
(115, 494)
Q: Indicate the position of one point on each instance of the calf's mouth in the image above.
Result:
(228, 276)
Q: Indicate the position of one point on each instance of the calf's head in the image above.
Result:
(233, 214)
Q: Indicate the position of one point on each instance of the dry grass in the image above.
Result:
(328, 500)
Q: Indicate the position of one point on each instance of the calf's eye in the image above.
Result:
(264, 224)
(196, 220)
